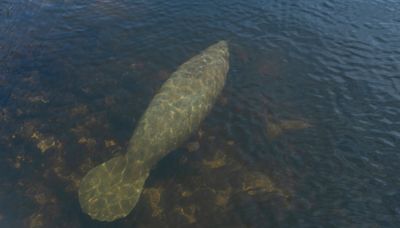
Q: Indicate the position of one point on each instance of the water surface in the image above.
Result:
(75, 77)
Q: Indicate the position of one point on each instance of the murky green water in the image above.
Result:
(305, 133)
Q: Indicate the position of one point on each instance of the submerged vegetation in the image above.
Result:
(204, 176)
(305, 132)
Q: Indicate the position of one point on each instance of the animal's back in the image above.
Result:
(181, 104)
(111, 190)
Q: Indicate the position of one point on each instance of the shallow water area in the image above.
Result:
(305, 132)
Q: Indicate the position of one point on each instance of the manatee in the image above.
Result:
(111, 190)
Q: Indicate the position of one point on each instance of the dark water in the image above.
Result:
(305, 134)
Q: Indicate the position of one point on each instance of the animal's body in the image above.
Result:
(111, 190)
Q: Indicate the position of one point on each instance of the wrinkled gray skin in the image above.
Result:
(111, 190)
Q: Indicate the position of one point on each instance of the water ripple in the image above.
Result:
(333, 65)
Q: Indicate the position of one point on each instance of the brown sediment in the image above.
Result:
(85, 128)
(39, 193)
(40, 198)
(45, 201)
(193, 146)
(294, 124)
(189, 213)
(60, 170)
(218, 161)
(24, 138)
(20, 159)
(273, 129)
(32, 79)
(179, 188)
(222, 197)
(28, 128)
(89, 142)
(72, 179)
(109, 100)
(186, 194)
(36, 220)
(276, 128)
(110, 143)
(153, 196)
(80, 109)
(210, 196)
(255, 183)
(79, 130)
(38, 99)
(45, 143)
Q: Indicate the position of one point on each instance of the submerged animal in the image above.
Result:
(111, 190)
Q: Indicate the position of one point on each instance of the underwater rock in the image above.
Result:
(111, 190)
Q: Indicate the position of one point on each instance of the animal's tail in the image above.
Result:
(111, 190)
